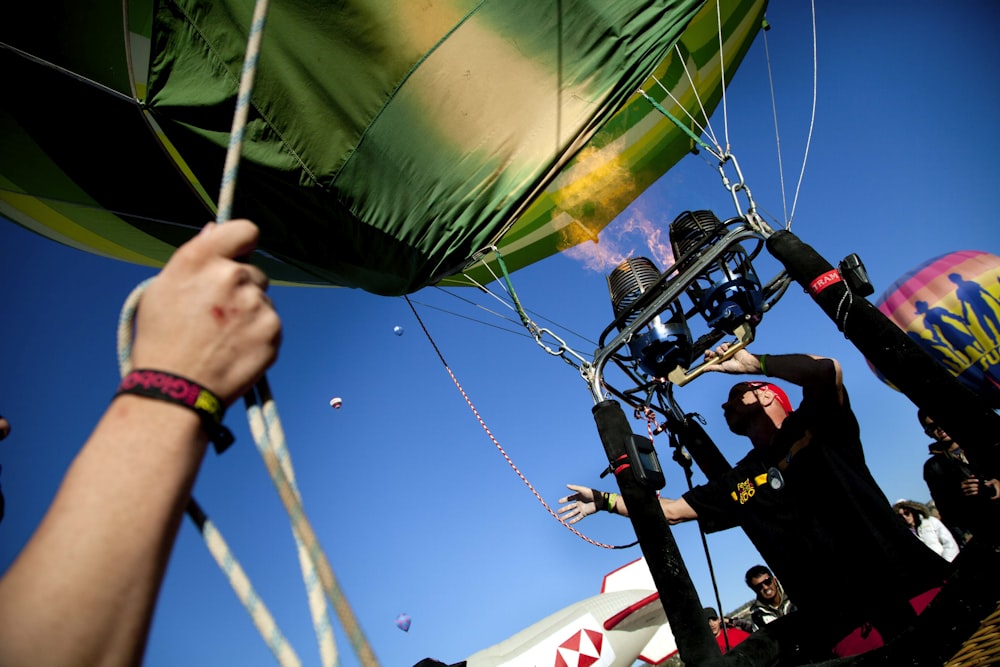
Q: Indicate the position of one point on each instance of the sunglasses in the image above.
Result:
(761, 584)
(931, 429)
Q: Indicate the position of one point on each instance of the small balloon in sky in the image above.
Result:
(398, 330)
(403, 622)
(335, 402)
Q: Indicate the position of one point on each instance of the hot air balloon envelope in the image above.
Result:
(388, 141)
(403, 622)
(335, 402)
(950, 306)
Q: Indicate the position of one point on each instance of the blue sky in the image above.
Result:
(416, 508)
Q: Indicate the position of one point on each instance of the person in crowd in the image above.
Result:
(725, 636)
(770, 601)
(931, 531)
(827, 517)
(965, 501)
(83, 589)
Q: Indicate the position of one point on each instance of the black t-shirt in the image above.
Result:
(944, 474)
(829, 534)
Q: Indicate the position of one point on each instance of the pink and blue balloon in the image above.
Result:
(950, 305)
(403, 622)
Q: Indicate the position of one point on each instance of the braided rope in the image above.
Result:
(228, 187)
(216, 544)
(268, 434)
(499, 447)
(260, 400)
(317, 603)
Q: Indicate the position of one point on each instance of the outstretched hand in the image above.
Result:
(580, 504)
(742, 362)
(206, 316)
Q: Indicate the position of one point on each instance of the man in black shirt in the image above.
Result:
(966, 502)
(806, 499)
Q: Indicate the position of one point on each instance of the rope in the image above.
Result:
(266, 427)
(722, 72)
(812, 118)
(268, 432)
(266, 625)
(216, 544)
(497, 444)
(268, 436)
(228, 187)
(777, 134)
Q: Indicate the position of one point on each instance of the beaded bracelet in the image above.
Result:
(181, 391)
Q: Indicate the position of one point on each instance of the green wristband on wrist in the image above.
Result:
(612, 497)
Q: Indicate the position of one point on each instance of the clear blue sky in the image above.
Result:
(416, 509)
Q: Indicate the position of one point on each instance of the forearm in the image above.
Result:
(801, 369)
(676, 511)
(91, 573)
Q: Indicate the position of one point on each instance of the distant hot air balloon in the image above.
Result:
(335, 402)
(950, 306)
(403, 622)
(398, 330)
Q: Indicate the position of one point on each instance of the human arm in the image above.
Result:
(742, 622)
(810, 372)
(83, 589)
(584, 502)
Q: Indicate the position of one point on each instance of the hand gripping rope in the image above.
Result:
(266, 428)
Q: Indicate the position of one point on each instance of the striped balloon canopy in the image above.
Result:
(950, 305)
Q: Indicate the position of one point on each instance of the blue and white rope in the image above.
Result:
(216, 544)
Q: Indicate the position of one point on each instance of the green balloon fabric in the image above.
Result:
(387, 143)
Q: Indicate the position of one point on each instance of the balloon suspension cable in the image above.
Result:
(561, 349)
(777, 134)
(725, 156)
(496, 443)
(722, 71)
(812, 117)
(684, 128)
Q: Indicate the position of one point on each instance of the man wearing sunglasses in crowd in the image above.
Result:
(770, 602)
(966, 502)
(807, 501)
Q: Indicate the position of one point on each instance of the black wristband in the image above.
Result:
(181, 391)
(600, 500)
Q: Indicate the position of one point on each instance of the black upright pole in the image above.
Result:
(959, 410)
(680, 601)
